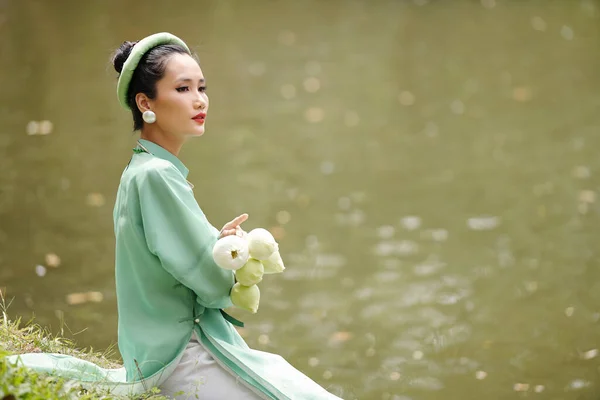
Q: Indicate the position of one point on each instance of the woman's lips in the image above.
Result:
(199, 118)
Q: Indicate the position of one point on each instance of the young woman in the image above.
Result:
(170, 292)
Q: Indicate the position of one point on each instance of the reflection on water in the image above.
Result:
(429, 168)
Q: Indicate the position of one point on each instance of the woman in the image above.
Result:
(170, 293)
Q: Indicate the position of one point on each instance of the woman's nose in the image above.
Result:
(200, 103)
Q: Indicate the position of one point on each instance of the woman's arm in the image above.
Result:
(179, 234)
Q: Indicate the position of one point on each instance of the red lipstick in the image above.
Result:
(199, 118)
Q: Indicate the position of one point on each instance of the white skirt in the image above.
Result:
(199, 376)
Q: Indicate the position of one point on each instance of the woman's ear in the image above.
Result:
(143, 102)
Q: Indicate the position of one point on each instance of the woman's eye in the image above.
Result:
(182, 89)
(202, 89)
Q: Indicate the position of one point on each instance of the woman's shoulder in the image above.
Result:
(150, 169)
(144, 167)
(152, 165)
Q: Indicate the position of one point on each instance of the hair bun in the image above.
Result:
(121, 54)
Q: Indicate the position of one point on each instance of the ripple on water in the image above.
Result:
(407, 344)
(330, 260)
(449, 335)
(318, 300)
(396, 247)
(410, 223)
(463, 365)
(436, 235)
(588, 355)
(391, 263)
(364, 293)
(307, 272)
(428, 268)
(455, 281)
(355, 217)
(578, 384)
(418, 293)
(319, 266)
(387, 276)
(449, 298)
(483, 223)
(375, 312)
(426, 383)
(393, 362)
(386, 231)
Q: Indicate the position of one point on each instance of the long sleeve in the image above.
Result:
(179, 234)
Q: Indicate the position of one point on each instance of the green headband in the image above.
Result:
(137, 52)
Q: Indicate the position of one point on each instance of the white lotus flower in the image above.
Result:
(231, 252)
(261, 243)
(245, 297)
(273, 264)
(251, 273)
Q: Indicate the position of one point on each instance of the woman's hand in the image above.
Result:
(233, 227)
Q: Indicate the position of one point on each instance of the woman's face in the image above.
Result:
(181, 102)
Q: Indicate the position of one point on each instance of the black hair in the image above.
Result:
(149, 70)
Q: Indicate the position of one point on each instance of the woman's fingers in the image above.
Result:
(233, 226)
(237, 221)
(227, 232)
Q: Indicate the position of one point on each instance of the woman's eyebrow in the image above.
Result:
(189, 80)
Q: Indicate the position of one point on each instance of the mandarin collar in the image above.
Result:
(165, 154)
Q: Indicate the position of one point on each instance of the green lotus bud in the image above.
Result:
(261, 244)
(231, 252)
(251, 273)
(273, 264)
(245, 297)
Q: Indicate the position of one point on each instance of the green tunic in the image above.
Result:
(165, 275)
(168, 283)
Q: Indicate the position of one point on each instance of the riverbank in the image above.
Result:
(20, 383)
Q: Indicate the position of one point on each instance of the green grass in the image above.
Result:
(22, 383)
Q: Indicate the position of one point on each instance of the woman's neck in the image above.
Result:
(171, 144)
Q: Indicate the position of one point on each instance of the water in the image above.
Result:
(430, 170)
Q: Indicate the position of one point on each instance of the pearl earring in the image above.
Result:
(149, 117)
